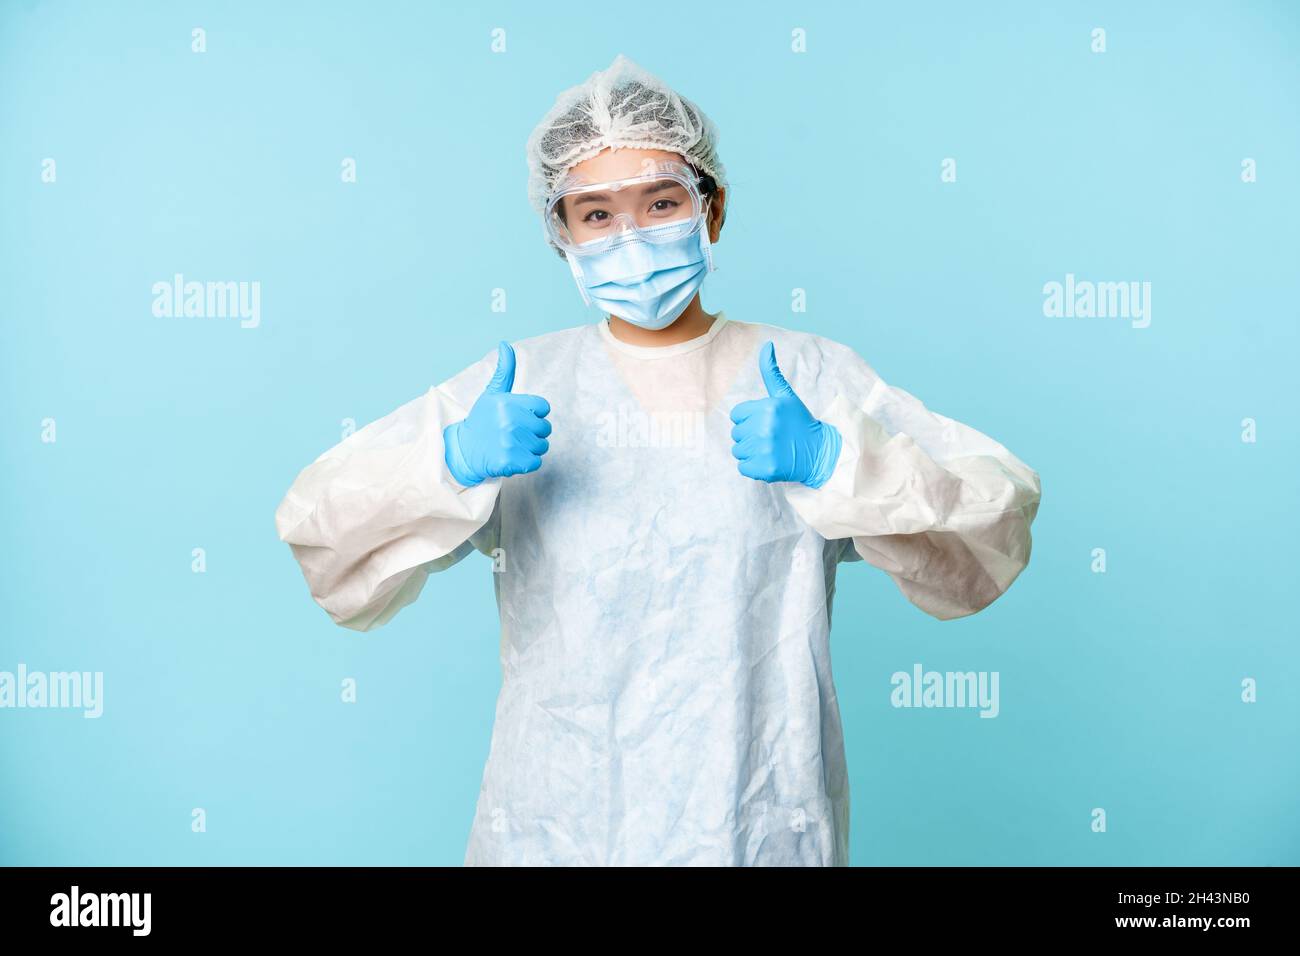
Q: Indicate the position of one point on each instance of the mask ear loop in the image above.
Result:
(576, 269)
(705, 244)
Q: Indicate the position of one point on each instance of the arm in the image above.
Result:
(940, 507)
(370, 518)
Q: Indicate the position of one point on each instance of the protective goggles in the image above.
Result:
(661, 205)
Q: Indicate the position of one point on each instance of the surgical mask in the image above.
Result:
(645, 279)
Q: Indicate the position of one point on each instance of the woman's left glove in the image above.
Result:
(776, 438)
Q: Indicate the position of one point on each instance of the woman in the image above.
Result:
(667, 494)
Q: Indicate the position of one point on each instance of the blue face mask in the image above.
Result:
(646, 283)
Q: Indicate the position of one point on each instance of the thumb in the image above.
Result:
(772, 377)
(503, 379)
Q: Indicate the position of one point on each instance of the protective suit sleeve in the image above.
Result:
(940, 507)
(369, 519)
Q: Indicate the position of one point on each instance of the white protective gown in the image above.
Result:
(666, 693)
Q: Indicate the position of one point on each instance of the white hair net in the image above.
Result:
(621, 106)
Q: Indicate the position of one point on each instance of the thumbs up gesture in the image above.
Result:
(505, 434)
(776, 438)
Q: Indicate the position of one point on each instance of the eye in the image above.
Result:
(664, 205)
(597, 217)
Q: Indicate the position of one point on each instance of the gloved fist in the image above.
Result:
(776, 438)
(504, 435)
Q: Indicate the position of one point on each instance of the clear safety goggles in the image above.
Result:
(663, 204)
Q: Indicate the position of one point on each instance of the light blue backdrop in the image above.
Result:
(1120, 691)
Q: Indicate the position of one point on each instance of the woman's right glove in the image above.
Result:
(505, 434)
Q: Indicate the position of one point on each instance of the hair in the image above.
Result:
(708, 192)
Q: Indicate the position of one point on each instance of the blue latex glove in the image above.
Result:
(777, 439)
(504, 435)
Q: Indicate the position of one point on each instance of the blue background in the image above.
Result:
(1119, 690)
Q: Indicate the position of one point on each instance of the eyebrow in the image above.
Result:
(655, 187)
